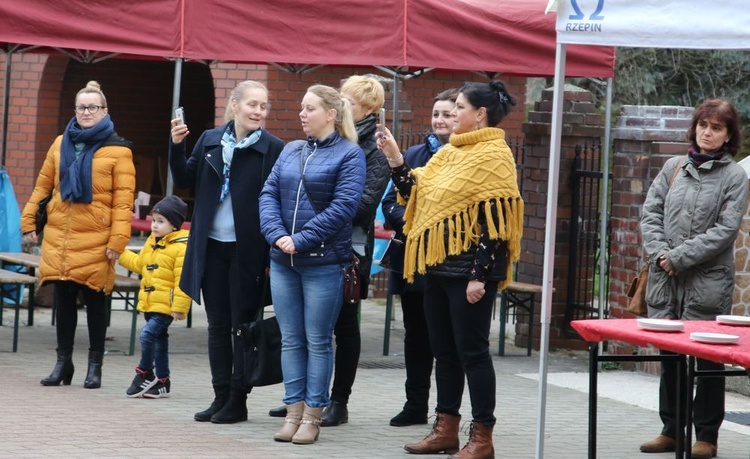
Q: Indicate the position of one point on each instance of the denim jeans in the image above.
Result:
(307, 301)
(155, 344)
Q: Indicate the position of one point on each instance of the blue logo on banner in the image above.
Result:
(595, 16)
(579, 15)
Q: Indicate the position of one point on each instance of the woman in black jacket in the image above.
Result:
(366, 96)
(227, 256)
(417, 352)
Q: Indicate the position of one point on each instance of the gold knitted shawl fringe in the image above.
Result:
(462, 178)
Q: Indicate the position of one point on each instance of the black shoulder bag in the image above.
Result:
(261, 347)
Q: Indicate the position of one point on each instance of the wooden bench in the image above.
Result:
(31, 263)
(518, 295)
(125, 288)
(16, 280)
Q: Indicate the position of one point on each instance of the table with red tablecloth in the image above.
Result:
(626, 330)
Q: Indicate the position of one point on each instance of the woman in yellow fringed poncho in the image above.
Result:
(463, 226)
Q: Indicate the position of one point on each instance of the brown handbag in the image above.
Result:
(637, 290)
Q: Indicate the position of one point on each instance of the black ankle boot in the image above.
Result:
(221, 396)
(335, 414)
(235, 409)
(62, 372)
(94, 375)
(278, 412)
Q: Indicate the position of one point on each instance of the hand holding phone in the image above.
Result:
(179, 112)
(381, 120)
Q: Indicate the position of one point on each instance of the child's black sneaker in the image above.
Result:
(160, 389)
(143, 381)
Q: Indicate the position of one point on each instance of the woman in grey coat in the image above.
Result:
(691, 218)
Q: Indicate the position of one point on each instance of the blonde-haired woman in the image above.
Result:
(226, 258)
(89, 172)
(307, 206)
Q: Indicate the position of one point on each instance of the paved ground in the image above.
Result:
(37, 421)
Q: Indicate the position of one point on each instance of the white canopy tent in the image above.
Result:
(645, 24)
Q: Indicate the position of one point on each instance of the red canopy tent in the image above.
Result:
(480, 35)
(511, 37)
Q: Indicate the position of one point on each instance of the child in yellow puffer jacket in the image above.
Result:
(160, 299)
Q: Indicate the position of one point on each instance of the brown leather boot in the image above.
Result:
(442, 438)
(291, 422)
(704, 450)
(479, 445)
(660, 444)
(309, 429)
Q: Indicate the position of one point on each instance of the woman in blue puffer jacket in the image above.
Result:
(306, 211)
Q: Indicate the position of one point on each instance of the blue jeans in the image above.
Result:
(307, 301)
(155, 344)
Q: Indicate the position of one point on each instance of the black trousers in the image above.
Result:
(348, 347)
(417, 353)
(66, 319)
(459, 336)
(226, 307)
(708, 404)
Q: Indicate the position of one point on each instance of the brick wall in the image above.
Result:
(581, 125)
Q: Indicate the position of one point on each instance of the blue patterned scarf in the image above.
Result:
(229, 145)
(75, 169)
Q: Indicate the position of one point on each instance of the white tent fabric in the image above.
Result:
(690, 24)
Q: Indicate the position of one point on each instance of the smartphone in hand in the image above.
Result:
(179, 112)
(381, 120)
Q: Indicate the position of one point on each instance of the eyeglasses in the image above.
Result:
(81, 109)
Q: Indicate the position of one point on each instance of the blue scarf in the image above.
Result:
(75, 169)
(228, 146)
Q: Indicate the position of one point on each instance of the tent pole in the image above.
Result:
(395, 89)
(6, 106)
(549, 238)
(604, 213)
(175, 104)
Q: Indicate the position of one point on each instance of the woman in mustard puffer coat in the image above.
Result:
(90, 174)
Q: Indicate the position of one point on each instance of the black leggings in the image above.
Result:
(459, 336)
(228, 304)
(66, 307)
(348, 346)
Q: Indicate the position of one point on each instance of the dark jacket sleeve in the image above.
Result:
(393, 211)
(376, 179)
(184, 170)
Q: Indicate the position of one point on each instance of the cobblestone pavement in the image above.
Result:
(71, 421)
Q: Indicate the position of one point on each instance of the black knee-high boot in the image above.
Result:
(62, 372)
(94, 374)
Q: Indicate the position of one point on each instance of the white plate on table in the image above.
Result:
(733, 320)
(714, 338)
(664, 325)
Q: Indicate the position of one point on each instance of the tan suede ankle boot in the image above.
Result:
(309, 429)
(291, 422)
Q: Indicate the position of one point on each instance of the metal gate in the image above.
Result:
(584, 278)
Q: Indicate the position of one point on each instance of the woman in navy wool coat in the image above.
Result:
(226, 255)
